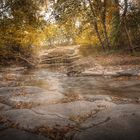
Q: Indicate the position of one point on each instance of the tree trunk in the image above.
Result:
(116, 23)
(103, 17)
(128, 37)
(95, 24)
(98, 35)
(125, 26)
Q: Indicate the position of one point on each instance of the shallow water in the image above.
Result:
(128, 87)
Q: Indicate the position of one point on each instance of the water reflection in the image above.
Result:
(52, 80)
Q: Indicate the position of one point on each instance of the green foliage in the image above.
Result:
(102, 23)
(21, 28)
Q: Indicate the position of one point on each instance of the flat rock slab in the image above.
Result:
(119, 123)
(54, 115)
(126, 89)
(30, 120)
(4, 107)
(37, 99)
(29, 94)
(98, 97)
(124, 84)
(15, 134)
(101, 71)
(15, 68)
(129, 72)
(17, 90)
(73, 109)
(5, 83)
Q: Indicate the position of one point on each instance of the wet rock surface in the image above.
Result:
(110, 71)
(63, 59)
(121, 122)
(16, 134)
(73, 109)
(29, 119)
(43, 104)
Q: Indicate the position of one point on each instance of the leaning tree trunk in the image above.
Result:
(131, 48)
(98, 35)
(125, 27)
(95, 24)
(116, 24)
(103, 17)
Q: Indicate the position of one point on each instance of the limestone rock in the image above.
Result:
(73, 109)
(47, 97)
(4, 107)
(119, 123)
(98, 97)
(15, 134)
(29, 94)
(30, 120)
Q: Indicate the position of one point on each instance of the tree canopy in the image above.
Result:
(21, 25)
(106, 24)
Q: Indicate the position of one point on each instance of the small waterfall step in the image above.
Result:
(65, 58)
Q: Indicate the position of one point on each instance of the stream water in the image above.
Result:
(127, 87)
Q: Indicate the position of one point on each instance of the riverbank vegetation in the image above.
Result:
(21, 25)
(103, 25)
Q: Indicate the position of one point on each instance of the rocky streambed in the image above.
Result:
(47, 104)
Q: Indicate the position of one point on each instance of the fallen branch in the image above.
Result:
(26, 60)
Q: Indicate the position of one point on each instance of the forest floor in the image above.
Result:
(71, 97)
